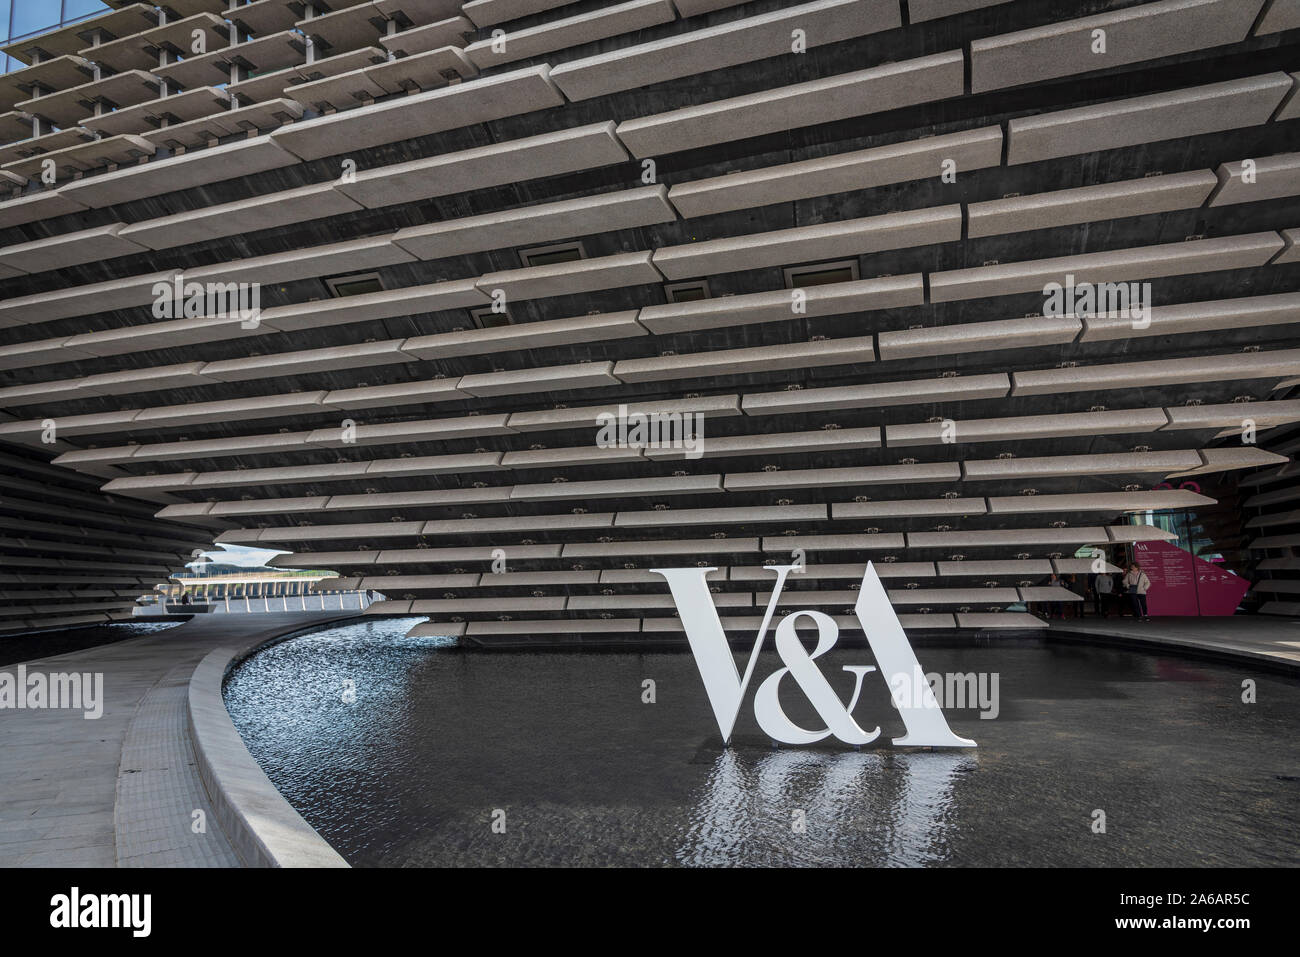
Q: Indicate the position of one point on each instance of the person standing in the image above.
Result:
(1103, 586)
(1074, 609)
(1136, 585)
(1055, 608)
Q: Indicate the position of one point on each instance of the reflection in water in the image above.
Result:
(410, 772)
(835, 793)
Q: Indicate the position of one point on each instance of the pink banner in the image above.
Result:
(1182, 584)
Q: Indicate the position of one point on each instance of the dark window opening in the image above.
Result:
(687, 291)
(550, 255)
(821, 274)
(485, 318)
(357, 285)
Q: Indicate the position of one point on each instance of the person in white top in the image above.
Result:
(1136, 585)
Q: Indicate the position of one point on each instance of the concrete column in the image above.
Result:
(309, 12)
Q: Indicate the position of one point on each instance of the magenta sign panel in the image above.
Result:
(1182, 584)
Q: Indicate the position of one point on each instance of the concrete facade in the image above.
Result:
(825, 228)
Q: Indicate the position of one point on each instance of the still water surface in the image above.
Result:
(437, 739)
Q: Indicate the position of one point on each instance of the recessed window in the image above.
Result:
(821, 274)
(687, 291)
(485, 318)
(550, 255)
(357, 285)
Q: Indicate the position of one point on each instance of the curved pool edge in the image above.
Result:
(264, 828)
(1271, 644)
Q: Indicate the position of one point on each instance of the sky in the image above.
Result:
(241, 555)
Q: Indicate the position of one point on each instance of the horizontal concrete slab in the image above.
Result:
(625, 488)
(880, 394)
(82, 300)
(810, 243)
(571, 278)
(1121, 265)
(422, 114)
(979, 337)
(888, 87)
(1269, 177)
(550, 154)
(69, 249)
(602, 327)
(1193, 317)
(32, 207)
(724, 362)
(839, 173)
(349, 256)
(1147, 31)
(1130, 375)
(909, 508)
(485, 13)
(191, 169)
(832, 299)
(586, 375)
(1146, 119)
(545, 222)
(451, 31)
(1139, 501)
(588, 27)
(1107, 463)
(243, 216)
(566, 418)
(1026, 427)
(773, 443)
(729, 44)
(836, 477)
(1085, 204)
(386, 304)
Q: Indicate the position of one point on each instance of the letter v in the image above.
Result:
(722, 683)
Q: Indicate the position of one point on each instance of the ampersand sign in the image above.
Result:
(799, 665)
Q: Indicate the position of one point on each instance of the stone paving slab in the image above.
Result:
(159, 790)
(121, 790)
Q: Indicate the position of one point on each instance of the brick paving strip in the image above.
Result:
(121, 790)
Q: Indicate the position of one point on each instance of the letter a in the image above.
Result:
(924, 720)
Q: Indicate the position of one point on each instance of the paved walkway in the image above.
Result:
(1273, 639)
(121, 790)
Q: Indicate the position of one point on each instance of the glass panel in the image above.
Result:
(4, 19)
(75, 9)
(30, 16)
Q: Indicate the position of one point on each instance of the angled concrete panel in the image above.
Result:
(809, 243)
(422, 114)
(840, 173)
(829, 300)
(888, 87)
(550, 154)
(1146, 31)
(1268, 177)
(728, 44)
(1146, 119)
(543, 38)
(570, 278)
(600, 213)
(1085, 204)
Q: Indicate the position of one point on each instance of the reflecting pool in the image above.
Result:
(404, 752)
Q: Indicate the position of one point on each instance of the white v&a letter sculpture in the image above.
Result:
(924, 720)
